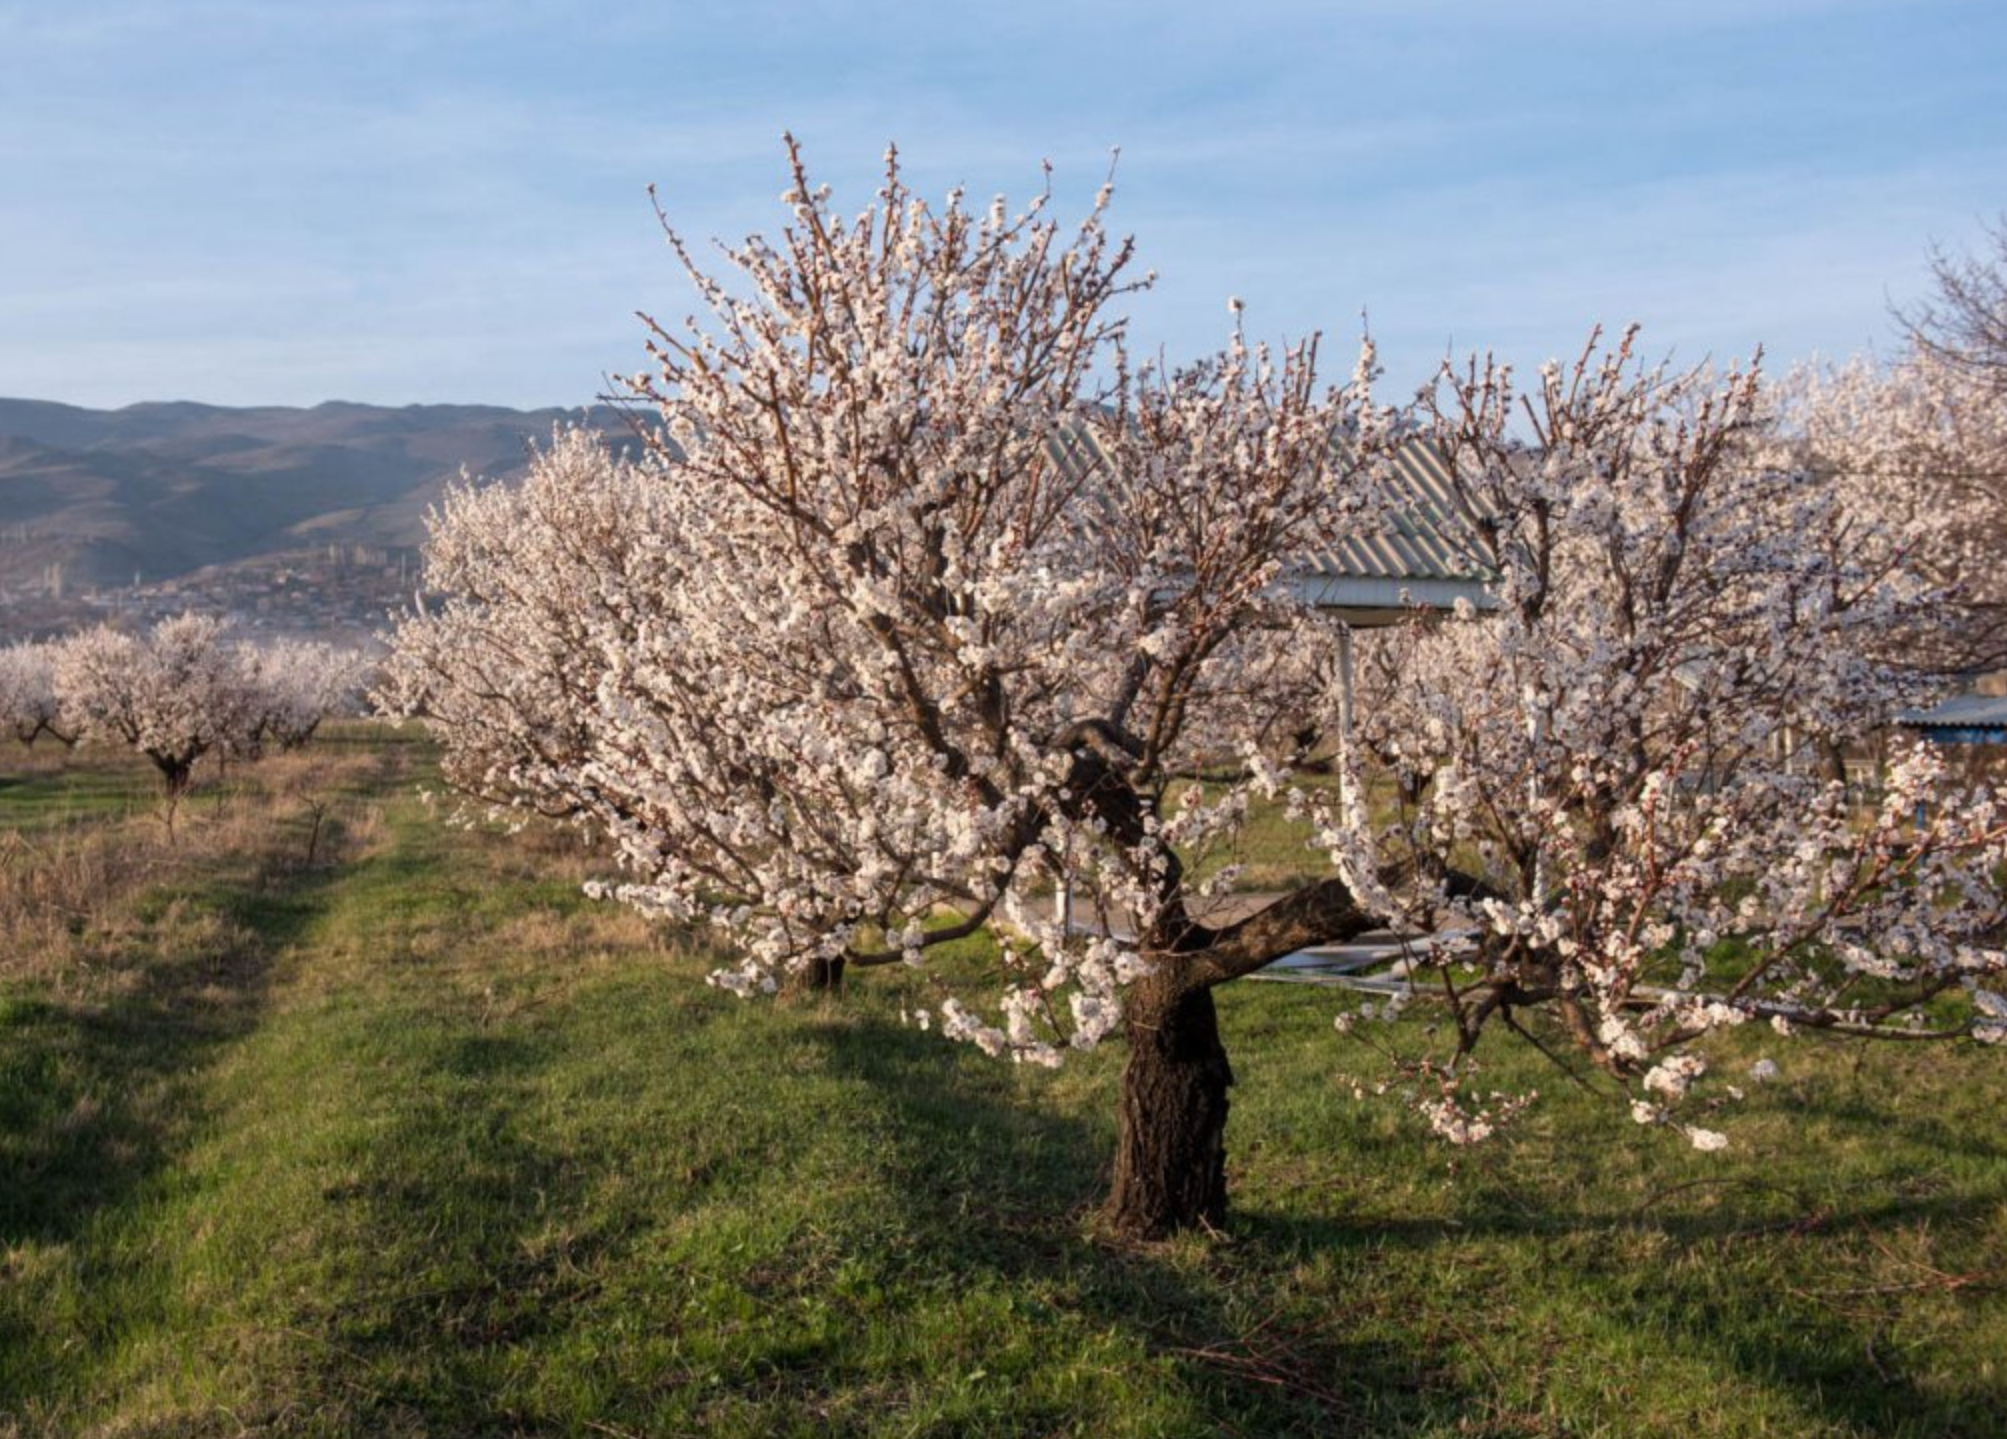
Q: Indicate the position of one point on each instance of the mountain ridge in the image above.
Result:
(172, 494)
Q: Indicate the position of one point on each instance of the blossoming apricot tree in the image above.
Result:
(870, 644)
(1618, 752)
(1918, 448)
(174, 694)
(186, 689)
(295, 684)
(28, 708)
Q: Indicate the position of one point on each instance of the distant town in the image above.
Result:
(338, 592)
(294, 522)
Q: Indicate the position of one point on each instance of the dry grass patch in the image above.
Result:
(94, 882)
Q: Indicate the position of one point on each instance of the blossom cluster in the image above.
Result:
(912, 599)
(186, 688)
(1625, 789)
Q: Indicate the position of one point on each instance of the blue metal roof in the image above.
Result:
(1960, 712)
(1427, 556)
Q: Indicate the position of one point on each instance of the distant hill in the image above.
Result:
(302, 520)
(162, 490)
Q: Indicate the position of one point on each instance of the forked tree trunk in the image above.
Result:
(819, 976)
(174, 776)
(1170, 1160)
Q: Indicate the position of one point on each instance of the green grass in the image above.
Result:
(39, 791)
(422, 1142)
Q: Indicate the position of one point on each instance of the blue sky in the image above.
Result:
(270, 201)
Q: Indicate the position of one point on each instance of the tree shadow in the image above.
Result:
(1835, 1363)
(491, 1257)
(477, 1239)
(969, 1152)
(483, 1247)
(98, 1095)
(101, 1095)
(991, 1189)
(979, 1169)
(1923, 1131)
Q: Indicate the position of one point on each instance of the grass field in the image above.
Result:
(413, 1139)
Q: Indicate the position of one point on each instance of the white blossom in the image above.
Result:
(29, 707)
(922, 598)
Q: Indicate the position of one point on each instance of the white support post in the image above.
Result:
(1345, 684)
(1062, 896)
(1536, 734)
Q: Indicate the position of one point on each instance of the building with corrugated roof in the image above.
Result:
(1425, 558)
(1962, 719)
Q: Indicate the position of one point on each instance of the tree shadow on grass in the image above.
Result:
(1924, 1132)
(477, 1240)
(511, 1278)
(96, 1094)
(499, 1288)
(1688, 1294)
(40, 801)
(1008, 1187)
(101, 1095)
(972, 1155)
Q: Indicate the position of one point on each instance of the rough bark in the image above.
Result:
(820, 976)
(1170, 1160)
(175, 774)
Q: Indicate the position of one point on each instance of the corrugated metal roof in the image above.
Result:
(1427, 557)
(1433, 535)
(1960, 712)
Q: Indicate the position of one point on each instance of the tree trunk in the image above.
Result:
(1170, 1162)
(175, 774)
(819, 976)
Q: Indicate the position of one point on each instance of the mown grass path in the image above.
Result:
(420, 1141)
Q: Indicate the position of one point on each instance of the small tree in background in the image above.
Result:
(296, 684)
(186, 688)
(28, 704)
(1963, 325)
(871, 649)
(174, 694)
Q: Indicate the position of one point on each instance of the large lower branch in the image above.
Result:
(1323, 913)
(970, 924)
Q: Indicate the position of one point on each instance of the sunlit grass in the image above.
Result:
(418, 1140)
